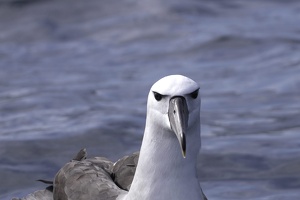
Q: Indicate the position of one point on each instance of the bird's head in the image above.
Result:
(174, 103)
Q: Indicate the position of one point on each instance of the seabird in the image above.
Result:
(165, 168)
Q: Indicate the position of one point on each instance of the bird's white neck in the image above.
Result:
(162, 172)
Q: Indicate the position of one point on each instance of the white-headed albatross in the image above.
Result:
(165, 168)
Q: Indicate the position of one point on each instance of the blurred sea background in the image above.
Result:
(76, 74)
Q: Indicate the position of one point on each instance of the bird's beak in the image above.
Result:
(178, 117)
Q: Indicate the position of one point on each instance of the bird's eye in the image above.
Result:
(157, 96)
(194, 94)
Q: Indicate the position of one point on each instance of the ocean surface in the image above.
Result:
(76, 74)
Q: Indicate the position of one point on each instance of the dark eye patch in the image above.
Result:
(157, 96)
(194, 94)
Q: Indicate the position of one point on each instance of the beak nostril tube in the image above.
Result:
(178, 117)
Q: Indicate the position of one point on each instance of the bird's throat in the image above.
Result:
(162, 168)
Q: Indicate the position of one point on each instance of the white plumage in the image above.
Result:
(166, 165)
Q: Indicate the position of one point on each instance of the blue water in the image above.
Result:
(77, 74)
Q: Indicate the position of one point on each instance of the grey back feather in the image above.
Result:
(87, 179)
(94, 178)
(124, 170)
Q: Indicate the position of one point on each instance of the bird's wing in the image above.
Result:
(86, 179)
(94, 178)
(124, 170)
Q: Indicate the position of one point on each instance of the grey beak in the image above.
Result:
(178, 116)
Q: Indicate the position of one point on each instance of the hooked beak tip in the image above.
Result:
(183, 145)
